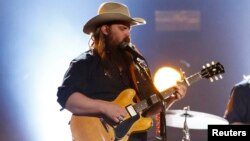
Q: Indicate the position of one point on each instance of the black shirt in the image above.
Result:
(240, 103)
(87, 76)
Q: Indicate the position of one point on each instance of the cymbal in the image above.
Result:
(194, 120)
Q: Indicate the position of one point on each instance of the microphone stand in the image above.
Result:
(163, 127)
(186, 135)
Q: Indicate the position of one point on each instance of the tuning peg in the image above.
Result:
(220, 76)
(212, 63)
(216, 78)
(208, 65)
(211, 79)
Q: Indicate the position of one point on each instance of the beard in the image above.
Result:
(113, 45)
(117, 56)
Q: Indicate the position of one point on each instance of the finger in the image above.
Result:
(117, 120)
(120, 118)
(123, 113)
(181, 89)
(178, 96)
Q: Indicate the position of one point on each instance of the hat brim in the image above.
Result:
(98, 20)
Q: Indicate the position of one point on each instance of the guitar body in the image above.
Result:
(89, 129)
(86, 128)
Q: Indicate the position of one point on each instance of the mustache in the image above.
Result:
(127, 40)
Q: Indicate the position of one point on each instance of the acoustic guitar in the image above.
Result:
(84, 128)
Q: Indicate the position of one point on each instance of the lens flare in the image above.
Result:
(165, 78)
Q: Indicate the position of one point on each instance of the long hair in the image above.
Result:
(117, 59)
(98, 43)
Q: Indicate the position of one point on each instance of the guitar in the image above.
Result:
(84, 128)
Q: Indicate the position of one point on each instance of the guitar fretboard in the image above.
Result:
(153, 99)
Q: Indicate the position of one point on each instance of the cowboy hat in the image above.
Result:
(108, 12)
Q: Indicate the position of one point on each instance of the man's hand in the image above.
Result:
(181, 91)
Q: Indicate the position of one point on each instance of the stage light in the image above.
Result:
(166, 77)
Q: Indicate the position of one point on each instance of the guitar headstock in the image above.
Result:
(212, 71)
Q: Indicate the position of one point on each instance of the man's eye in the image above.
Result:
(123, 27)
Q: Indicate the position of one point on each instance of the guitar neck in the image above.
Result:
(193, 78)
(153, 99)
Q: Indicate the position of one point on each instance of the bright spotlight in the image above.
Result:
(165, 78)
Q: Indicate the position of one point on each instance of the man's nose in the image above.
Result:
(127, 32)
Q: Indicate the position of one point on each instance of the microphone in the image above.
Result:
(129, 47)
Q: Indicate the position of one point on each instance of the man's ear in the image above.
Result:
(105, 29)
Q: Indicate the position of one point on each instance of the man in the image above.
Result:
(97, 77)
(238, 107)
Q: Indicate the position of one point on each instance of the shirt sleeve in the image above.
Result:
(237, 107)
(75, 80)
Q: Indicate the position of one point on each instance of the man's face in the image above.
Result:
(118, 33)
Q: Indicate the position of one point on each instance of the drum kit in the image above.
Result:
(187, 119)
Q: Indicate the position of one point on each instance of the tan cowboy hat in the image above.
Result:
(108, 12)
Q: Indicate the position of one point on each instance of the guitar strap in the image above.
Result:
(139, 70)
(132, 70)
